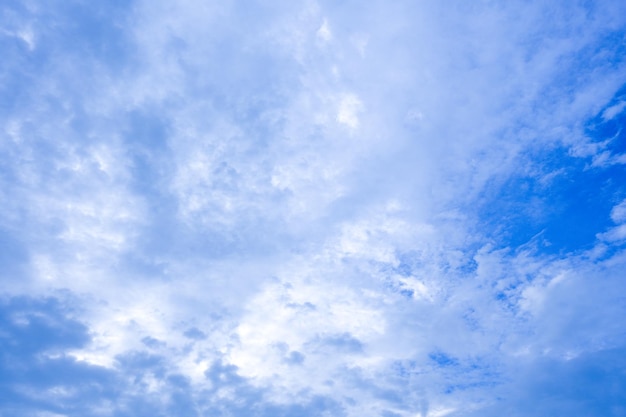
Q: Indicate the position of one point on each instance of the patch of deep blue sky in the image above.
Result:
(563, 213)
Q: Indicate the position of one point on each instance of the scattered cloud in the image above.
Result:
(312, 209)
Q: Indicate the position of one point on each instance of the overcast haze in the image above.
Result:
(312, 208)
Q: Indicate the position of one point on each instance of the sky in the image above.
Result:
(407, 208)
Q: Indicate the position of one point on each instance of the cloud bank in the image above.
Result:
(311, 208)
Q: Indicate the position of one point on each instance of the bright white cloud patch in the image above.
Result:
(349, 108)
(618, 214)
(614, 110)
(311, 208)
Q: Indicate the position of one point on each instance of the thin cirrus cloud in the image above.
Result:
(407, 209)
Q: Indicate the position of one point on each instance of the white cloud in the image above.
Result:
(618, 232)
(349, 108)
(618, 213)
(300, 317)
(614, 234)
(614, 110)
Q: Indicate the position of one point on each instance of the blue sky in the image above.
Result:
(312, 208)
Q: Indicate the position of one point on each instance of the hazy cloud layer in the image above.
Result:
(311, 208)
